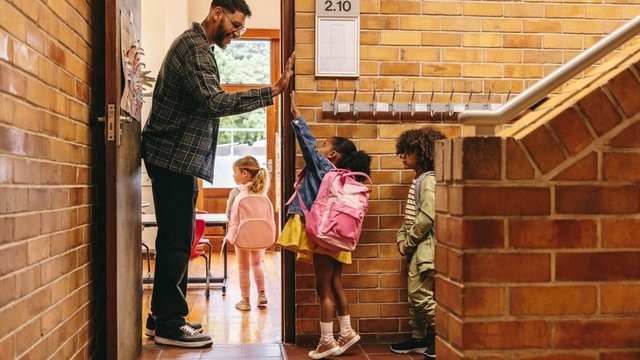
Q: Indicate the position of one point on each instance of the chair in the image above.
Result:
(148, 252)
(203, 241)
(148, 255)
(195, 252)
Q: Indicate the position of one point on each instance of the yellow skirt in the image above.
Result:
(293, 237)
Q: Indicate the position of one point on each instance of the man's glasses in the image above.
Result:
(238, 29)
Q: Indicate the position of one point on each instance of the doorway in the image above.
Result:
(162, 21)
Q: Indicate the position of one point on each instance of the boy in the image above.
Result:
(416, 239)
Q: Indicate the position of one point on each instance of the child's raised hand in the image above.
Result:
(294, 107)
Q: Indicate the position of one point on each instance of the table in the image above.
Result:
(213, 220)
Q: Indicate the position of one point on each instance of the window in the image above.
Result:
(244, 64)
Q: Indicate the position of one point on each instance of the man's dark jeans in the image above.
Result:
(174, 199)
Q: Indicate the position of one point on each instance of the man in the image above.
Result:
(179, 145)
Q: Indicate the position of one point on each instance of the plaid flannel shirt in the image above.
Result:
(181, 133)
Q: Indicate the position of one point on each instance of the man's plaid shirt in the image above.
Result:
(181, 133)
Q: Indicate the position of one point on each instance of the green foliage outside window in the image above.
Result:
(244, 62)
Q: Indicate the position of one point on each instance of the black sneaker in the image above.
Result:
(418, 346)
(185, 336)
(150, 328)
(430, 353)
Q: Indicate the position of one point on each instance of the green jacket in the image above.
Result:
(420, 238)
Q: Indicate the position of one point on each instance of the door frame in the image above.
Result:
(272, 124)
(288, 168)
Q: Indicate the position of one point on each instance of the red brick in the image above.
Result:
(628, 138)
(518, 165)
(494, 200)
(470, 234)
(378, 296)
(481, 158)
(455, 260)
(620, 355)
(6, 230)
(518, 267)
(620, 232)
(442, 259)
(583, 169)
(545, 151)
(621, 166)
(553, 300)
(552, 234)
(378, 325)
(620, 299)
(445, 351)
(507, 335)
(621, 86)
(563, 356)
(598, 266)
(609, 333)
(599, 111)
(484, 301)
(570, 128)
(593, 199)
(449, 295)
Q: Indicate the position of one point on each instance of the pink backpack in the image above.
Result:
(335, 219)
(256, 227)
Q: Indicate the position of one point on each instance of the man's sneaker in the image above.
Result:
(324, 349)
(185, 336)
(150, 328)
(262, 301)
(346, 342)
(418, 346)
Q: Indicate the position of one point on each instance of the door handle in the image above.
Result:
(110, 130)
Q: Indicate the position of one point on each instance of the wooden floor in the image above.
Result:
(254, 334)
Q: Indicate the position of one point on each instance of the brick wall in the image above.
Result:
(444, 45)
(538, 253)
(46, 183)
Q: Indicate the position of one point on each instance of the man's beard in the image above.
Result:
(219, 36)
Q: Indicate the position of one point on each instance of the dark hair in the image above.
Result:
(420, 141)
(232, 6)
(352, 158)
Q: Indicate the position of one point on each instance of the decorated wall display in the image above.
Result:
(136, 79)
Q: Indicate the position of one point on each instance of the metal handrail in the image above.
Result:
(549, 83)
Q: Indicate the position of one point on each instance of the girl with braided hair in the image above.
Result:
(416, 239)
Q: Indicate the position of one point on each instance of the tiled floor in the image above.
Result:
(254, 334)
(268, 352)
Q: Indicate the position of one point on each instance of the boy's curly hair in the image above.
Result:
(420, 141)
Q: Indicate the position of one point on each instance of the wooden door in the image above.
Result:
(122, 151)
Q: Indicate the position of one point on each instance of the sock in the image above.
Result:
(326, 332)
(345, 325)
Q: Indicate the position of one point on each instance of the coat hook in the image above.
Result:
(449, 106)
(373, 100)
(466, 106)
(393, 98)
(353, 103)
(413, 95)
(488, 106)
(433, 90)
(335, 100)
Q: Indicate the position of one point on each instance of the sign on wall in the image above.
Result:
(338, 38)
